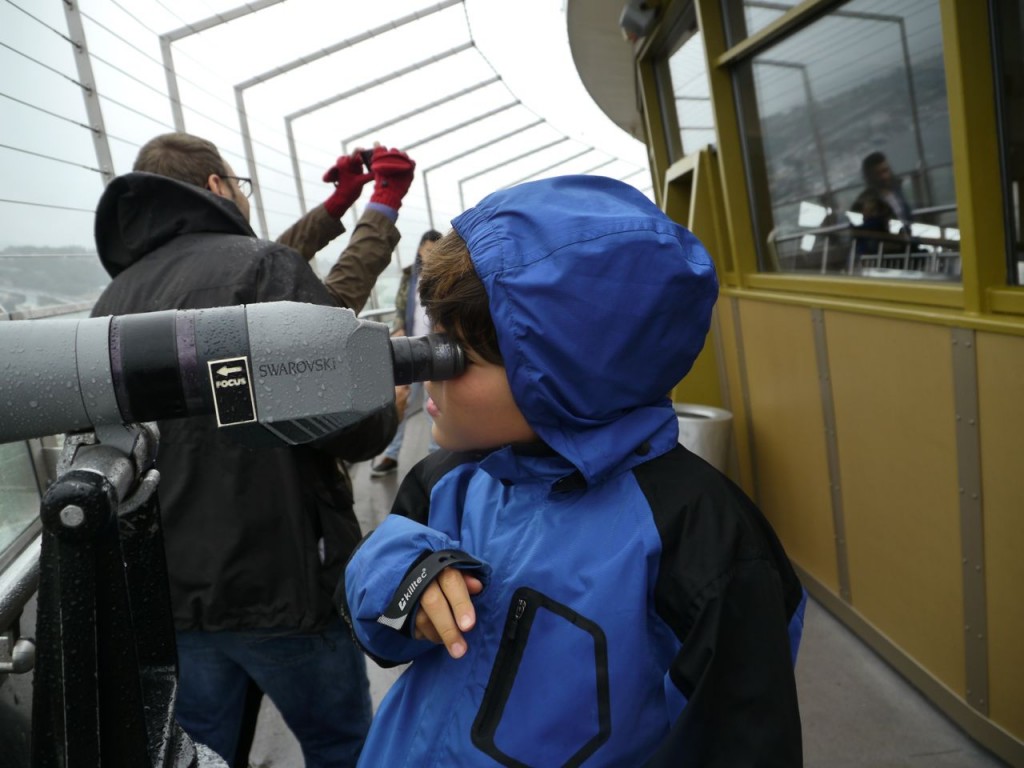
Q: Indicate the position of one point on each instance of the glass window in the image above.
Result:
(50, 180)
(744, 18)
(846, 125)
(19, 493)
(691, 94)
(1008, 18)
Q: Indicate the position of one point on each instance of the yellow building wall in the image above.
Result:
(892, 378)
(791, 462)
(701, 384)
(741, 467)
(892, 384)
(1001, 420)
(689, 198)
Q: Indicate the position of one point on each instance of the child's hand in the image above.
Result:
(446, 608)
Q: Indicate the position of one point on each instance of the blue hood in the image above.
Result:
(601, 304)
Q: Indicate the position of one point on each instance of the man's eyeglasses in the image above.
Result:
(244, 184)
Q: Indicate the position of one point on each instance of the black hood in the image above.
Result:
(139, 212)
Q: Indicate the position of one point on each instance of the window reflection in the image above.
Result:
(847, 130)
(691, 95)
(748, 17)
(1008, 17)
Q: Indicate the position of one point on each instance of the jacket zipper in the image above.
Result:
(513, 625)
(504, 658)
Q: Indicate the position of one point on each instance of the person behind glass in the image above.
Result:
(256, 537)
(880, 203)
(410, 320)
(572, 585)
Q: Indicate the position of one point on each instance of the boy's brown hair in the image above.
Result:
(454, 297)
(181, 156)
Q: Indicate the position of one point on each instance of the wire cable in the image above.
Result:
(138, 112)
(194, 84)
(46, 66)
(49, 157)
(40, 21)
(48, 112)
(127, 74)
(46, 205)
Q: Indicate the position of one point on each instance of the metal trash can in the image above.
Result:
(706, 431)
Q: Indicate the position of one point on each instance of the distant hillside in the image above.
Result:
(33, 276)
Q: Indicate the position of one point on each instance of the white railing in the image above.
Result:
(866, 250)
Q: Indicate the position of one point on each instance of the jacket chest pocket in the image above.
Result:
(547, 702)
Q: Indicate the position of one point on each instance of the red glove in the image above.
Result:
(393, 171)
(348, 180)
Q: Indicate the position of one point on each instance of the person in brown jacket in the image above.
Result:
(369, 249)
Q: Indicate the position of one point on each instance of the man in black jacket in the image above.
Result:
(256, 537)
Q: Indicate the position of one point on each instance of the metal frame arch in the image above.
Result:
(552, 167)
(496, 166)
(167, 39)
(395, 75)
(263, 77)
(423, 108)
(466, 153)
(393, 121)
(448, 130)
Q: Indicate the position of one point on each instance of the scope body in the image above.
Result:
(301, 371)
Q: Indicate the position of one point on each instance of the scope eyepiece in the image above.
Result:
(433, 357)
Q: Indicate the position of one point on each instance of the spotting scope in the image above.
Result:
(300, 371)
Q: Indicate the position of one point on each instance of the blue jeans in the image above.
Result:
(416, 393)
(317, 682)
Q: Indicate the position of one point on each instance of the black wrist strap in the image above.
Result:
(416, 580)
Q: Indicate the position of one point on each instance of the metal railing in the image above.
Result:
(930, 255)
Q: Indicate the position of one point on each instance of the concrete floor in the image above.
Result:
(856, 711)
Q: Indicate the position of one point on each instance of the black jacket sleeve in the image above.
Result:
(728, 592)
(736, 671)
(413, 497)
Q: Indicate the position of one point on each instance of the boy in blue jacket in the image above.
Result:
(573, 587)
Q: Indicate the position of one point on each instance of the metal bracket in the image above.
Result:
(17, 654)
(105, 686)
